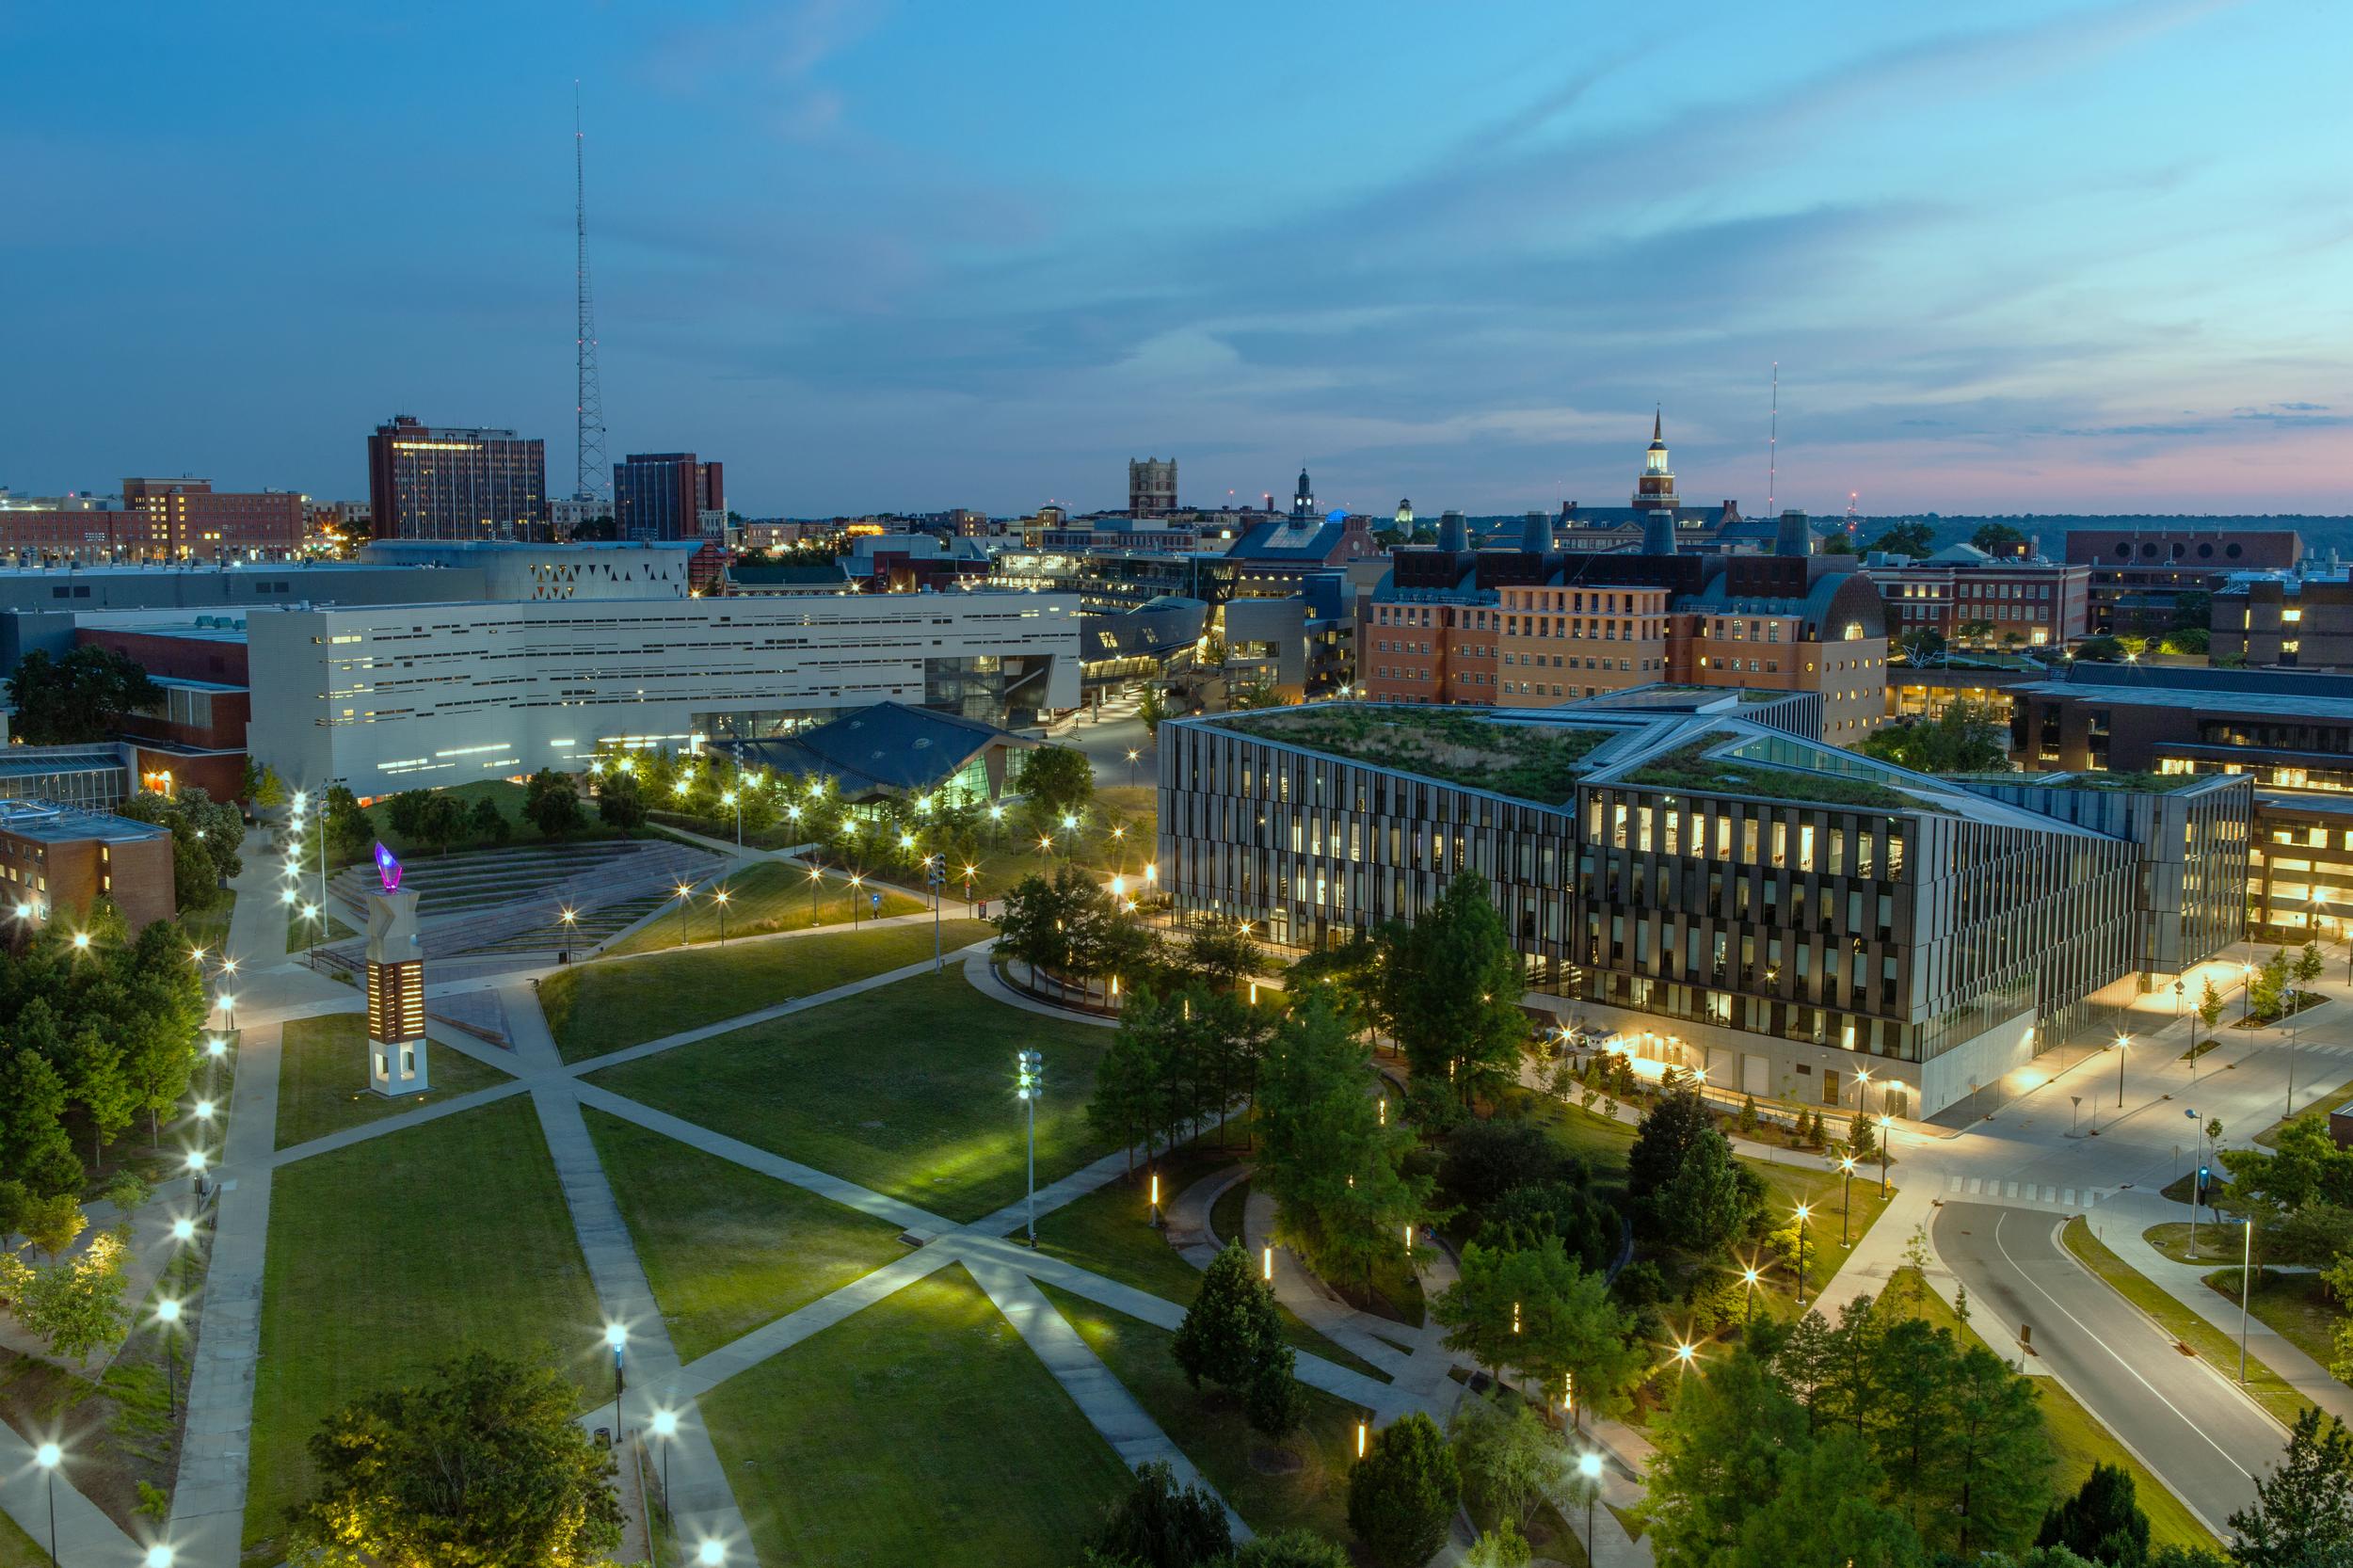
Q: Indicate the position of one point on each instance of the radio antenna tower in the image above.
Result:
(589, 480)
(1772, 444)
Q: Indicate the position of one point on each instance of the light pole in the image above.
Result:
(1886, 1122)
(228, 1005)
(196, 1170)
(936, 874)
(2197, 1175)
(49, 1456)
(1589, 1468)
(215, 1049)
(2246, 1277)
(1747, 1296)
(311, 918)
(2291, 1109)
(2124, 1044)
(568, 917)
(665, 1428)
(1846, 1198)
(684, 893)
(1131, 767)
(616, 1336)
(1803, 1211)
(857, 880)
(720, 898)
(168, 1314)
(1029, 1082)
(730, 799)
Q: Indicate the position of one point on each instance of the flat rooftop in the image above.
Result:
(45, 821)
(1530, 758)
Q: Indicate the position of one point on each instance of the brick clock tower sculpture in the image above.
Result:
(395, 987)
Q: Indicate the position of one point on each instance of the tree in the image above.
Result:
(1260, 691)
(35, 1148)
(1159, 1524)
(1221, 952)
(1452, 988)
(1663, 1139)
(1837, 542)
(621, 804)
(1501, 1547)
(403, 814)
(488, 823)
(483, 1464)
(1998, 539)
(77, 697)
(1710, 1201)
(1293, 1548)
(1995, 1473)
(350, 831)
(1056, 779)
(206, 838)
(1485, 1160)
(1152, 709)
(74, 1305)
(1827, 1508)
(1720, 1459)
(2101, 649)
(2302, 1516)
(2101, 1522)
(1509, 1461)
(2307, 965)
(441, 821)
(1923, 646)
(1966, 737)
(2209, 1008)
(260, 787)
(1905, 538)
(551, 804)
(1402, 1496)
(1233, 1335)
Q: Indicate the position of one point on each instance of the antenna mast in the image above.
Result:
(589, 480)
(1772, 444)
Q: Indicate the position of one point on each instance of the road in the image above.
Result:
(2183, 1420)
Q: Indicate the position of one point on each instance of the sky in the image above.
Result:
(2008, 257)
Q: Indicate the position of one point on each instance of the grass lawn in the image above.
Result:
(1108, 1231)
(1097, 848)
(2080, 1442)
(2296, 1306)
(906, 1089)
(607, 1005)
(115, 1428)
(920, 1430)
(2216, 1242)
(727, 1249)
(20, 1550)
(770, 896)
(2269, 1136)
(300, 932)
(1301, 1480)
(323, 1073)
(2217, 1349)
(389, 1255)
(209, 928)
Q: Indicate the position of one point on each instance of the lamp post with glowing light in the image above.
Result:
(1846, 1198)
(1886, 1123)
(683, 893)
(1748, 1296)
(196, 1170)
(568, 917)
(215, 1049)
(1589, 1471)
(1029, 1082)
(1804, 1212)
(720, 898)
(1132, 754)
(616, 1336)
(49, 1456)
(2124, 1044)
(731, 799)
(168, 1314)
(665, 1428)
(710, 1553)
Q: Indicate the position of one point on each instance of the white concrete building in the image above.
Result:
(390, 698)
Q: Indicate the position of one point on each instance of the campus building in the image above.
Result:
(448, 482)
(2140, 573)
(392, 697)
(1693, 874)
(58, 860)
(2293, 621)
(1973, 598)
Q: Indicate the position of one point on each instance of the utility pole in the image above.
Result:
(1030, 1081)
(936, 873)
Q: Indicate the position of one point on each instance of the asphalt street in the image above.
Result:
(2183, 1420)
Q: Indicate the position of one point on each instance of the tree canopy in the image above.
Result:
(77, 698)
(1965, 737)
(1451, 986)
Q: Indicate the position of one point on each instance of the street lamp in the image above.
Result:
(159, 1556)
(720, 898)
(710, 1553)
(568, 917)
(168, 1314)
(1589, 1470)
(616, 1336)
(215, 1049)
(728, 800)
(1846, 1198)
(1132, 754)
(195, 1169)
(1886, 1122)
(1747, 1295)
(2197, 1175)
(311, 918)
(49, 1456)
(1805, 1211)
(665, 1428)
(1029, 1082)
(857, 880)
(2124, 1044)
(683, 893)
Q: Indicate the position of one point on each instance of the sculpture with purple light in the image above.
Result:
(387, 868)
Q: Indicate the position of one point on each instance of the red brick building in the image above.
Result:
(57, 859)
(196, 734)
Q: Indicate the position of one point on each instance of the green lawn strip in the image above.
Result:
(770, 896)
(2297, 1307)
(727, 1249)
(2217, 1348)
(115, 1427)
(323, 1078)
(906, 1089)
(398, 1252)
(607, 1005)
(1110, 1233)
(1247, 1467)
(2080, 1442)
(18, 1549)
(919, 1431)
(2216, 1242)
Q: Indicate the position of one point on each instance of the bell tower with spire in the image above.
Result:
(1654, 493)
(1303, 499)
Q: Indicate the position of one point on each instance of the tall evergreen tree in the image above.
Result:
(1402, 1495)
(1450, 989)
(2101, 1522)
(2302, 1516)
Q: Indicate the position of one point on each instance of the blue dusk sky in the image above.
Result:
(2010, 256)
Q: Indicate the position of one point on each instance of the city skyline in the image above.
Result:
(878, 259)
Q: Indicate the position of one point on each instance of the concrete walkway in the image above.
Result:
(85, 1534)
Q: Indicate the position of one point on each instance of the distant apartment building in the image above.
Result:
(1696, 880)
(668, 495)
(2293, 621)
(1151, 487)
(160, 519)
(1972, 599)
(2138, 575)
(449, 482)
